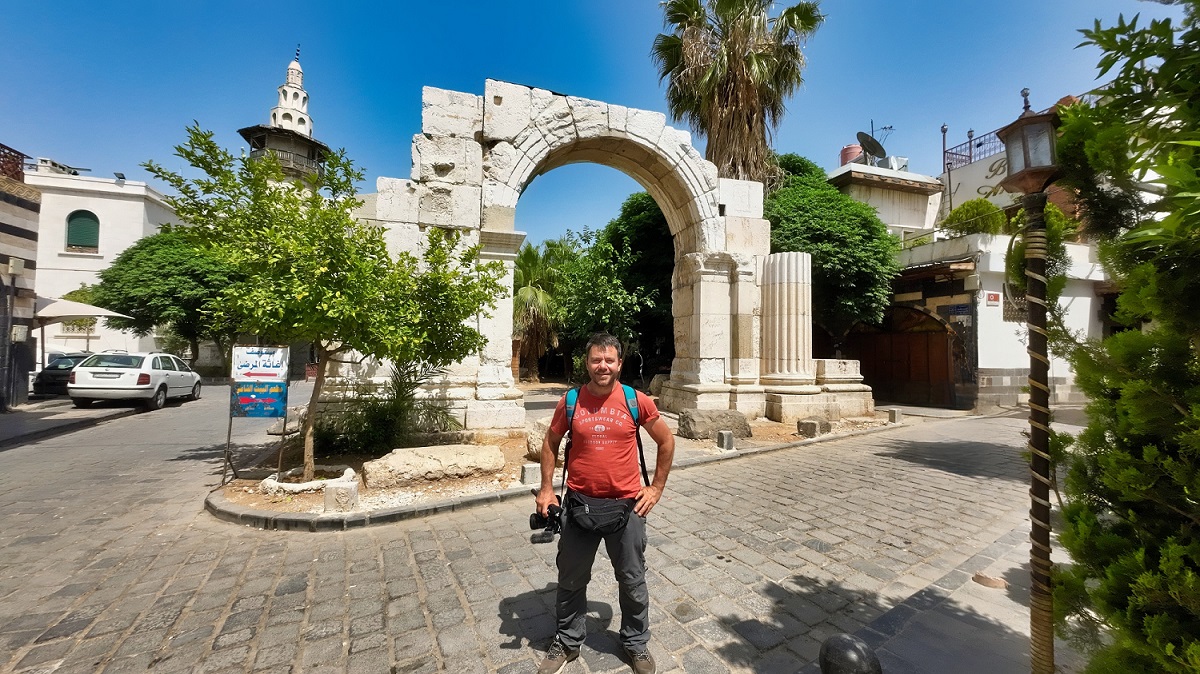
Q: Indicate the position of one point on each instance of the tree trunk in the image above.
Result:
(194, 345)
(311, 418)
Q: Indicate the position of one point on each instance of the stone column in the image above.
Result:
(787, 321)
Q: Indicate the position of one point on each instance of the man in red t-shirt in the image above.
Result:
(603, 463)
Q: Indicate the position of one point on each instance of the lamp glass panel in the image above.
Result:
(1014, 147)
(1040, 149)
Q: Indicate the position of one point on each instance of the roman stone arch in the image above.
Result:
(477, 154)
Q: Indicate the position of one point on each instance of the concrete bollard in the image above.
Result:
(895, 415)
(531, 473)
(725, 440)
(847, 654)
(341, 496)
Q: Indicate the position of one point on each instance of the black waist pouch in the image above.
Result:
(601, 515)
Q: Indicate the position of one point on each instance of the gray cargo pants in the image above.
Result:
(576, 553)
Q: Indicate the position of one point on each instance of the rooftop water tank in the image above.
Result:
(849, 153)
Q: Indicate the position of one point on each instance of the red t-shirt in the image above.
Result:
(604, 457)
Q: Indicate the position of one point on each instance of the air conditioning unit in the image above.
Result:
(897, 163)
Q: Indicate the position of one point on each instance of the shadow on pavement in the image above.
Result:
(244, 455)
(967, 458)
(900, 635)
(528, 621)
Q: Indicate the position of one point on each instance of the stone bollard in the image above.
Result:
(531, 473)
(895, 415)
(847, 654)
(725, 441)
(341, 496)
(812, 427)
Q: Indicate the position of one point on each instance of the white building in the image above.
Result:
(952, 338)
(85, 223)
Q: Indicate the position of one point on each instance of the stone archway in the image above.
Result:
(477, 154)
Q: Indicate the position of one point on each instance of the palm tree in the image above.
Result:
(729, 68)
(536, 314)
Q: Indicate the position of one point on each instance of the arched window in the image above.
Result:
(287, 117)
(83, 232)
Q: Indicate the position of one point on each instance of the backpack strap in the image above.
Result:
(631, 403)
(572, 399)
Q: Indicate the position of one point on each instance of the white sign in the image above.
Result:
(260, 363)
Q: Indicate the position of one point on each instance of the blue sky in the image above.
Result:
(94, 87)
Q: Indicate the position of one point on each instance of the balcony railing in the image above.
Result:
(972, 151)
(12, 163)
(290, 161)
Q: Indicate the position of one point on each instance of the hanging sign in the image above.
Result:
(993, 299)
(259, 399)
(260, 363)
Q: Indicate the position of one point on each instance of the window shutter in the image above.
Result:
(83, 230)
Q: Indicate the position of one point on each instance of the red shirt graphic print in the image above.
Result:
(604, 457)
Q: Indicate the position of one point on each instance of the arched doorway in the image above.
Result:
(908, 358)
(741, 316)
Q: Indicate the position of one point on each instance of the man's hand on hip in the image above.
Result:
(646, 499)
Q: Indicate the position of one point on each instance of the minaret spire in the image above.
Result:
(291, 112)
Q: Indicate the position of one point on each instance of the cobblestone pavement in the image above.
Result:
(108, 564)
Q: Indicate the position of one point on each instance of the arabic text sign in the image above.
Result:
(260, 363)
(259, 399)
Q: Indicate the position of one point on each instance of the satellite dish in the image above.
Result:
(871, 146)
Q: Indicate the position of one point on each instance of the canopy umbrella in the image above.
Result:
(50, 310)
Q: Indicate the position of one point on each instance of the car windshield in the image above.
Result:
(112, 360)
(64, 363)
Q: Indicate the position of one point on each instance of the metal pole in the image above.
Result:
(6, 341)
(1041, 606)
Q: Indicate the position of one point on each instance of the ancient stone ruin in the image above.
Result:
(742, 315)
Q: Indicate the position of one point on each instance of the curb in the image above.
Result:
(63, 429)
(220, 507)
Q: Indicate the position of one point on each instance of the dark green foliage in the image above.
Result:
(641, 236)
(164, 281)
(1132, 523)
(977, 216)
(593, 296)
(1059, 228)
(854, 258)
(376, 421)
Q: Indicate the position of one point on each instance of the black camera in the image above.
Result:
(551, 523)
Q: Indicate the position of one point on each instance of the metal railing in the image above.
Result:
(12, 163)
(973, 150)
(291, 160)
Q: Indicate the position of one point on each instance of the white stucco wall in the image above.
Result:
(127, 211)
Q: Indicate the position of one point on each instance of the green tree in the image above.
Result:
(163, 281)
(854, 258)
(593, 296)
(640, 235)
(977, 216)
(1132, 519)
(87, 294)
(307, 270)
(537, 310)
(730, 68)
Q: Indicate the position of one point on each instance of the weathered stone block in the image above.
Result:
(397, 201)
(495, 414)
(591, 117)
(506, 109)
(450, 113)
(704, 424)
(895, 415)
(531, 473)
(645, 125)
(407, 466)
(656, 383)
(446, 205)
(535, 434)
(341, 497)
(447, 159)
(813, 426)
(725, 441)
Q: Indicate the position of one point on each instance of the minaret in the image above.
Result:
(289, 135)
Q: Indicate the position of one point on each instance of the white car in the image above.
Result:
(152, 377)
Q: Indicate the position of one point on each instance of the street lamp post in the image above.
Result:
(1029, 146)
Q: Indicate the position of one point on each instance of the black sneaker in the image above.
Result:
(641, 660)
(557, 658)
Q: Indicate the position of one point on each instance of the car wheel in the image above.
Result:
(159, 399)
(195, 392)
(81, 402)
